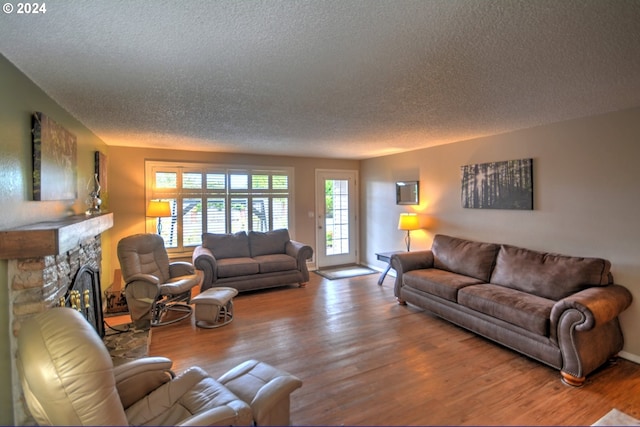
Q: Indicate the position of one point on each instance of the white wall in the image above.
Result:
(586, 197)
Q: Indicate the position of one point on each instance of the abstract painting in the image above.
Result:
(54, 160)
(498, 185)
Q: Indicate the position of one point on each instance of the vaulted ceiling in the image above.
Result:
(332, 78)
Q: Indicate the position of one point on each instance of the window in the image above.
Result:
(217, 199)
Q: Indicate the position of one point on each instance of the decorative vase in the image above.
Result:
(93, 201)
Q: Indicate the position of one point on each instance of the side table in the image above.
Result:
(386, 257)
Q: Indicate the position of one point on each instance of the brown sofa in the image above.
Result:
(254, 260)
(559, 310)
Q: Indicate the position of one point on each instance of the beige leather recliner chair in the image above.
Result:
(68, 378)
(155, 286)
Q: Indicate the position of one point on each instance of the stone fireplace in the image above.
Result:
(52, 264)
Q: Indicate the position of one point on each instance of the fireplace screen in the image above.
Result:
(84, 295)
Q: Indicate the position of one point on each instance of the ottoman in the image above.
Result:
(214, 307)
(265, 388)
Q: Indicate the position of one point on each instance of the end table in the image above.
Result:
(386, 257)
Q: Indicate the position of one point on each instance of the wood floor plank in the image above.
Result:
(365, 360)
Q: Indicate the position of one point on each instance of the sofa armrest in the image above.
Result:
(598, 305)
(403, 262)
(180, 268)
(301, 253)
(137, 378)
(586, 328)
(204, 260)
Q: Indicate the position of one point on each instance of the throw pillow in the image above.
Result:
(227, 245)
(271, 242)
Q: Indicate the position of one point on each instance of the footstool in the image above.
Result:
(214, 307)
(265, 388)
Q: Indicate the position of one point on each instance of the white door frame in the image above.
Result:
(352, 257)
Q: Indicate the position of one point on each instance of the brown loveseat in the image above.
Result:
(252, 261)
(560, 310)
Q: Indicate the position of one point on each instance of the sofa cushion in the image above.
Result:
(276, 262)
(527, 311)
(227, 245)
(441, 283)
(233, 267)
(271, 242)
(475, 259)
(548, 275)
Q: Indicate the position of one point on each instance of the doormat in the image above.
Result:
(617, 418)
(345, 272)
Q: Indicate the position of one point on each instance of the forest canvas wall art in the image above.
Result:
(498, 185)
(54, 160)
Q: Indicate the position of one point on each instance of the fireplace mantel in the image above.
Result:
(52, 237)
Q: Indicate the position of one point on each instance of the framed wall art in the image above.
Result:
(498, 185)
(54, 160)
(407, 193)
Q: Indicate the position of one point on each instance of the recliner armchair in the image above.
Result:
(154, 285)
(68, 378)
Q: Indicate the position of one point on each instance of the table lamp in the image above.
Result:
(408, 221)
(159, 209)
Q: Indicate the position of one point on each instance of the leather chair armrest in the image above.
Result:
(144, 278)
(194, 391)
(138, 378)
(406, 261)
(598, 305)
(141, 295)
(222, 415)
(272, 400)
(204, 261)
(144, 364)
(265, 388)
(180, 268)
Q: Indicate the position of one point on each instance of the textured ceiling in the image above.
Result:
(344, 79)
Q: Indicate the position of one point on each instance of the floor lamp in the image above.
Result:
(408, 221)
(159, 209)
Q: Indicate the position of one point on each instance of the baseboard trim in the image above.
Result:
(391, 272)
(630, 357)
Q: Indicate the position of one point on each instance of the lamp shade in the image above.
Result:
(408, 221)
(159, 208)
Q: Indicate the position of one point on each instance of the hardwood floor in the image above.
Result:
(365, 360)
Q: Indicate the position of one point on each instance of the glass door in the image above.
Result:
(336, 217)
